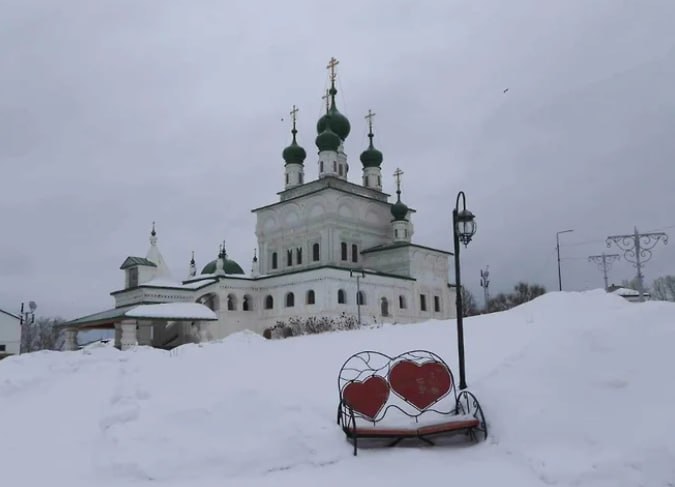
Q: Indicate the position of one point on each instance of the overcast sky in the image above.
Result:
(115, 113)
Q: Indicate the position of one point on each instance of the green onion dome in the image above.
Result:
(399, 210)
(334, 119)
(328, 140)
(371, 157)
(294, 154)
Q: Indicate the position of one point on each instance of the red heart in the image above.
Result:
(420, 384)
(367, 397)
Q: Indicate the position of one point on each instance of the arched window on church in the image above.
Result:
(247, 303)
(231, 302)
(275, 260)
(290, 300)
(269, 302)
(384, 307)
(334, 166)
(320, 166)
(311, 297)
(355, 253)
(315, 252)
(209, 300)
(401, 302)
(298, 255)
(343, 248)
(289, 257)
(360, 298)
(341, 297)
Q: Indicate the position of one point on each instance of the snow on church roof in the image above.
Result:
(175, 311)
(163, 282)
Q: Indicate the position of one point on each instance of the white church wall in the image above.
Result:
(327, 218)
(395, 260)
(10, 333)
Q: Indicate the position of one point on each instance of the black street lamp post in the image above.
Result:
(463, 229)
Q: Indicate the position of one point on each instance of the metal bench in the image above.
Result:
(417, 387)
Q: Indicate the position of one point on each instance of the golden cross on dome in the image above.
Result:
(397, 174)
(369, 117)
(331, 65)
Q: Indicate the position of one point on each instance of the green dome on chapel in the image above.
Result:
(371, 157)
(230, 267)
(337, 122)
(328, 140)
(294, 154)
(399, 210)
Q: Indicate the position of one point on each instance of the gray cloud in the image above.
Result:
(117, 113)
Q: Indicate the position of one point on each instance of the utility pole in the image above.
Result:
(484, 283)
(637, 249)
(26, 319)
(557, 246)
(604, 262)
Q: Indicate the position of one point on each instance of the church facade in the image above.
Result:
(328, 248)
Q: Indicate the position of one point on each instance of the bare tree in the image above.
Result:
(522, 293)
(663, 288)
(499, 302)
(469, 306)
(41, 335)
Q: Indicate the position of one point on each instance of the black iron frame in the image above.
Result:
(363, 365)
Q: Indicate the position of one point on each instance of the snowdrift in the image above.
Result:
(576, 388)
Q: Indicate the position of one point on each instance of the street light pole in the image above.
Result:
(557, 246)
(463, 228)
(358, 291)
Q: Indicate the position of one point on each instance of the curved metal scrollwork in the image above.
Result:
(468, 405)
(637, 248)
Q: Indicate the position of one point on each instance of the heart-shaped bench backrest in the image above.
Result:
(367, 397)
(420, 384)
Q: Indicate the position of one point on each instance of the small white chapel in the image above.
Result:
(329, 247)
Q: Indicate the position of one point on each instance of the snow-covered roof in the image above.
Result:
(164, 282)
(624, 291)
(172, 311)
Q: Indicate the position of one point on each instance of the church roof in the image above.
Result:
(230, 267)
(133, 261)
(172, 311)
(331, 183)
(379, 248)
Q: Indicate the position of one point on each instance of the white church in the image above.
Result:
(329, 247)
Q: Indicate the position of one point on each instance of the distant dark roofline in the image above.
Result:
(310, 269)
(381, 248)
(132, 261)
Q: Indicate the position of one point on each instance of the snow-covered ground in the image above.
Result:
(578, 390)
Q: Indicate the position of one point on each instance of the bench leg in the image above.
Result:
(426, 440)
(355, 440)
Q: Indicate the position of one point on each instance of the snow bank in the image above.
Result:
(575, 386)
